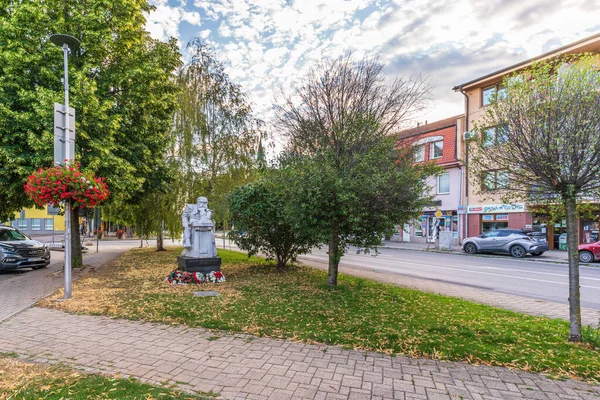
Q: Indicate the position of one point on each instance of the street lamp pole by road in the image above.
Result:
(67, 42)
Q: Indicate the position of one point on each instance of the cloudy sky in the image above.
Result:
(267, 44)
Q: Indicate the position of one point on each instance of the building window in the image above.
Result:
(49, 224)
(494, 136)
(419, 153)
(443, 184)
(494, 180)
(22, 224)
(489, 93)
(418, 226)
(436, 149)
(36, 224)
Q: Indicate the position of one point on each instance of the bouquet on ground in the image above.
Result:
(184, 277)
(66, 182)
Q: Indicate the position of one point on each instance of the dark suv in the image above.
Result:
(515, 242)
(19, 251)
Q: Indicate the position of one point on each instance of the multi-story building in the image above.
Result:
(32, 221)
(489, 212)
(437, 142)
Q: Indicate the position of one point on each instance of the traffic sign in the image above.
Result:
(53, 210)
(59, 134)
(438, 213)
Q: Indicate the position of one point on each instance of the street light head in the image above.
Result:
(60, 39)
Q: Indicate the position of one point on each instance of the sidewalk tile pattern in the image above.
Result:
(22, 291)
(245, 367)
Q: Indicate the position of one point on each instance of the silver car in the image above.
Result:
(515, 242)
(19, 251)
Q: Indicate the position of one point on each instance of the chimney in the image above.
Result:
(425, 122)
(418, 124)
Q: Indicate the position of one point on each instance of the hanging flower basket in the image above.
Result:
(67, 182)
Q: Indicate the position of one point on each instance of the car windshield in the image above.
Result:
(8, 235)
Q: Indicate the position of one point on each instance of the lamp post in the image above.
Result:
(66, 42)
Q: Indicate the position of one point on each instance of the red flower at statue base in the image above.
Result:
(56, 184)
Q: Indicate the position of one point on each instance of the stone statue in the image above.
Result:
(198, 230)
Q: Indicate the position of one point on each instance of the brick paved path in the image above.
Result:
(242, 366)
(24, 289)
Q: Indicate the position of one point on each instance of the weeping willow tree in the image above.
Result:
(210, 151)
(216, 134)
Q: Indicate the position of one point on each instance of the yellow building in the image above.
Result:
(38, 222)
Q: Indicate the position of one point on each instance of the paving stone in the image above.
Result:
(263, 368)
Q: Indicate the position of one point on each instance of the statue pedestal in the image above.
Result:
(203, 265)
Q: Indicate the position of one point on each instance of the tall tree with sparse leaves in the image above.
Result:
(541, 135)
(348, 183)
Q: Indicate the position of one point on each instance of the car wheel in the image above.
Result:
(539, 253)
(586, 257)
(470, 248)
(517, 251)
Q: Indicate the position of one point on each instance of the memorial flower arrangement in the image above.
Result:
(66, 182)
(184, 278)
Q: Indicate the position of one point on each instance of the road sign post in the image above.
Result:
(66, 42)
(60, 134)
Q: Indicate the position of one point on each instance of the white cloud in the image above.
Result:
(268, 44)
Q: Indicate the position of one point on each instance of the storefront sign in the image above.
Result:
(496, 208)
(487, 218)
(502, 217)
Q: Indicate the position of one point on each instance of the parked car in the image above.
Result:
(589, 252)
(517, 243)
(19, 251)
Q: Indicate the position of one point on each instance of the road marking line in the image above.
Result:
(488, 273)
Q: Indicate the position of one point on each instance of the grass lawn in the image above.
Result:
(19, 380)
(359, 313)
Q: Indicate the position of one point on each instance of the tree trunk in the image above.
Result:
(574, 292)
(280, 262)
(160, 242)
(76, 255)
(334, 256)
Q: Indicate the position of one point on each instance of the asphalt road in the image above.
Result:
(537, 280)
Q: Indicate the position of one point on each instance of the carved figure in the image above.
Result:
(198, 230)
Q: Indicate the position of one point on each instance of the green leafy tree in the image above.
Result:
(545, 142)
(349, 184)
(215, 131)
(354, 201)
(263, 222)
(120, 87)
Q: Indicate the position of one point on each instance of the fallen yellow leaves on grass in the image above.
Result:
(359, 313)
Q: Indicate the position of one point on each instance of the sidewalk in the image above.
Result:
(548, 256)
(241, 366)
(22, 291)
(246, 367)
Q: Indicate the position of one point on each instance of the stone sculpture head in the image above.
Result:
(202, 202)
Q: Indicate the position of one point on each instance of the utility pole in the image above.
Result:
(67, 42)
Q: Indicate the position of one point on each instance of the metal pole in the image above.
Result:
(68, 282)
(97, 211)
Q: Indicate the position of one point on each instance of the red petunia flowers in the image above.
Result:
(67, 182)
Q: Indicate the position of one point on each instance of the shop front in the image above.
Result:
(486, 217)
(424, 229)
(588, 227)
